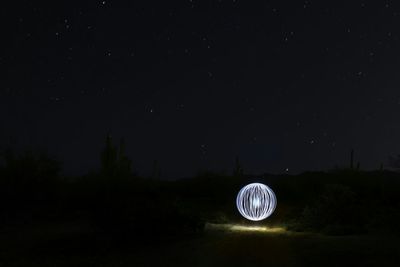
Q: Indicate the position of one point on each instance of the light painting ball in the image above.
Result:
(256, 201)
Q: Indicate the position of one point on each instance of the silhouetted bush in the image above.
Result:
(336, 211)
(28, 186)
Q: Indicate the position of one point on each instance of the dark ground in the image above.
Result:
(72, 244)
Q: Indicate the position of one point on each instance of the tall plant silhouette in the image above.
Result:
(114, 161)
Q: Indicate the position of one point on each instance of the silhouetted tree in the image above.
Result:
(27, 179)
(114, 162)
(123, 163)
(109, 158)
(28, 167)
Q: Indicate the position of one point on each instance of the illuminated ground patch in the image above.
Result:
(244, 228)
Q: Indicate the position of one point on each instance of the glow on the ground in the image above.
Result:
(242, 228)
(245, 228)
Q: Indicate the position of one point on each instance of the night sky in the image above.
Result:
(287, 86)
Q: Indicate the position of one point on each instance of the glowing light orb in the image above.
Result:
(256, 201)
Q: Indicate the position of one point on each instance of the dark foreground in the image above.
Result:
(72, 245)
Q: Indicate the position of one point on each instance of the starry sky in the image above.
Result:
(287, 86)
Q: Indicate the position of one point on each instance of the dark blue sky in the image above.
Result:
(282, 84)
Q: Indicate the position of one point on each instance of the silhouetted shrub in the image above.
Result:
(28, 186)
(141, 209)
(335, 211)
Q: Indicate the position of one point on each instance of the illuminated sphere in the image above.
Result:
(256, 201)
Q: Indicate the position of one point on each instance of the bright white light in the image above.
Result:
(256, 201)
(244, 228)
